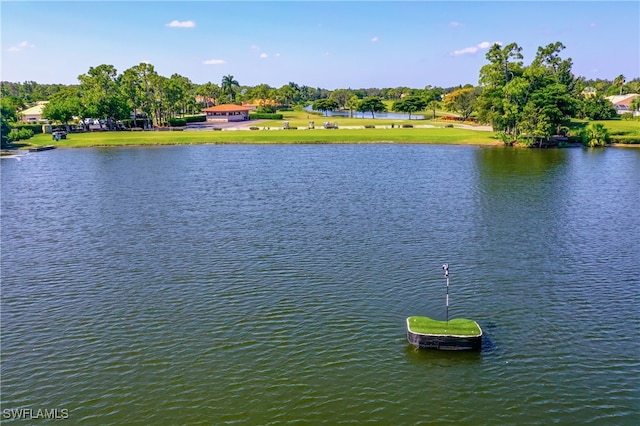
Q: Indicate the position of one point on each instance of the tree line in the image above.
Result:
(522, 102)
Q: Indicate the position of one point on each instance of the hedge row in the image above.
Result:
(265, 116)
(177, 122)
(35, 128)
(196, 118)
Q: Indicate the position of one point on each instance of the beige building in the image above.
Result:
(33, 114)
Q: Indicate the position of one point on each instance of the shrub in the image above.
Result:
(19, 134)
(254, 128)
(217, 128)
(35, 128)
(369, 126)
(595, 135)
(448, 125)
(407, 126)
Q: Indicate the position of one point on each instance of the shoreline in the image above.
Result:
(255, 132)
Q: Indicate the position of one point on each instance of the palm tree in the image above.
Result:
(352, 104)
(619, 82)
(596, 135)
(635, 104)
(228, 83)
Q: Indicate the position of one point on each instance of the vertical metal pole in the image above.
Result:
(446, 274)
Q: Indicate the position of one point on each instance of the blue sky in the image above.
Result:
(327, 44)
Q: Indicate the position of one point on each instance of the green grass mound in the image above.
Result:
(457, 326)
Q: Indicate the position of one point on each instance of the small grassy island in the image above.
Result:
(456, 327)
(455, 335)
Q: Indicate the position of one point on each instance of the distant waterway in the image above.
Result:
(254, 284)
(358, 114)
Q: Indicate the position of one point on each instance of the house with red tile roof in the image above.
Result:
(227, 112)
(622, 103)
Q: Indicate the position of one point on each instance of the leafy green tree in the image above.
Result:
(228, 86)
(4, 132)
(179, 92)
(341, 96)
(286, 94)
(504, 64)
(535, 100)
(102, 95)
(136, 85)
(263, 94)
(160, 106)
(64, 106)
(409, 105)
(371, 104)
(461, 101)
(210, 92)
(325, 105)
(596, 107)
(9, 106)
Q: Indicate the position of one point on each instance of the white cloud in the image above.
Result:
(278, 55)
(455, 24)
(264, 55)
(214, 62)
(374, 39)
(181, 24)
(474, 49)
(21, 46)
(254, 47)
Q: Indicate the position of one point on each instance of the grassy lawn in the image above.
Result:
(618, 129)
(302, 119)
(351, 130)
(299, 136)
(457, 326)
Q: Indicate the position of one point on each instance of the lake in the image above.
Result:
(253, 284)
(358, 114)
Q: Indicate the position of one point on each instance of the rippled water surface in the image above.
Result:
(270, 284)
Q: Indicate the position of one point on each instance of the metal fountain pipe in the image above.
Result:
(446, 274)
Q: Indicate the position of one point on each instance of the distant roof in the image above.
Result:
(35, 110)
(227, 108)
(622, 99)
